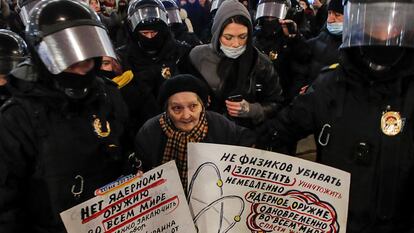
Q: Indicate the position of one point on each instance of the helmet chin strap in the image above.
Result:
(383, 66)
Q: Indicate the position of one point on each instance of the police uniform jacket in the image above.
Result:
(347, 111)
(324, 50)
(55, 152)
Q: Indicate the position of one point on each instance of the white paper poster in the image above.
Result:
(152, 203)
(246, 190)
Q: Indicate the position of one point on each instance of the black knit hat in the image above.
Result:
(336, 5)
(182, 83)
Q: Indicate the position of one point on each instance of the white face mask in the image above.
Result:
(231, 52)
(335, 28)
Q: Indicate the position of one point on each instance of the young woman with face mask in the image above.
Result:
(231, 65)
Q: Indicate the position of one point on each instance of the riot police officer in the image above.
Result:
(13, 50)
(277, 37)
(60, 132)
(153, 55)
(361, 114)
(324, 49)
(178, 28)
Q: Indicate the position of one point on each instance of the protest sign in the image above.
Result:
(244, 190)
(152, 203)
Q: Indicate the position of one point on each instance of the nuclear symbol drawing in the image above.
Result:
(222, 212)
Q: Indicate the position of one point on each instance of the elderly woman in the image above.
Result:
(231, 65)
(165, 137)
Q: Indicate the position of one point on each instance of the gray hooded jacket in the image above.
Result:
(205, 58)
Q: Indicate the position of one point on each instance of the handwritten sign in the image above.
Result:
(238, 189)
(152, 203)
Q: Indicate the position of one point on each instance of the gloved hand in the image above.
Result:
(268, 136)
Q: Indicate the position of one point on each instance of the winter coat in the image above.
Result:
(55, 152)
(150, 141)
(148, 75)
(324, 50)
(261, 84)
(344, 109)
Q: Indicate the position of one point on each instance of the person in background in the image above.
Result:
(278, 38)
(61, 132)
(362, 113)
(206, 5)
(111, 21)
(4, 13)
(185, 119)
(196, 15)
(186, 20)
(206, 34)
(324, 49)
(13, 50)
(243, 83)
(109, 6)
(153, 56)
(178, 28)
(321, 14)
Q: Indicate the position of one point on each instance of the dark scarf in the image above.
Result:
(176, 147)
(234, 73)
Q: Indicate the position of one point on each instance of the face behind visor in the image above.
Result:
(142, 12)
(64, 32)
(381, 31)
(378, 23)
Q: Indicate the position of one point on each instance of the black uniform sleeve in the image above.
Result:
(16, 155)
(149, 144)
(270, 97)
(292, 123)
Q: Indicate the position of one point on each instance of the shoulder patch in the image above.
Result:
(123, 79)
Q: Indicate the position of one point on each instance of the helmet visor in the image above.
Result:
(147, 14)
(378, 23)
(271, 9)
(174, 16)
(64, 48)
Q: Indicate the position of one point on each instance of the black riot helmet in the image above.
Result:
(13, 50)
(24, 7)
(146, 12)
(65, 32)
(173, 11)
(381, 31)
(272, 8)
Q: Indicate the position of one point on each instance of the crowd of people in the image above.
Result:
(91, 90)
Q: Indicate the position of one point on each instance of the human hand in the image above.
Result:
(238, 109)
(289, 27)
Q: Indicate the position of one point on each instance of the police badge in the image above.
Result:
(391, 123)
(166, 72)
(273, 55)
(97, 125)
